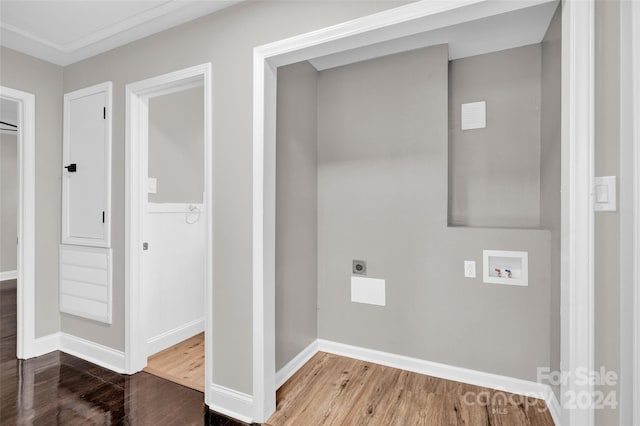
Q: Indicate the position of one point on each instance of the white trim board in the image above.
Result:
(8, 275)
(169, 338)
(25, 339)
(429, 368)
(95, 353)
(46, 344)
(577, 327)
(296, 363)
(173, 207)
(577, 216)
(231, 403)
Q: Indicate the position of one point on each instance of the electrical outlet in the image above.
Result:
(469, 269)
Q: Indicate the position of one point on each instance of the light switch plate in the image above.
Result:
(152, 185)
(469, 269)
(604, 191)
(474, 115)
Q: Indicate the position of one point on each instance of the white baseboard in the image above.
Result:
(8, 275)
(93, 352)
(45, 344)
(435, 369)
(172, 337)
(230, 403)
(296, 363)
(553, 405)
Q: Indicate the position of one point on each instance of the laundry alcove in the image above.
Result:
(373, 164)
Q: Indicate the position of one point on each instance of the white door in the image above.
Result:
(86, 174)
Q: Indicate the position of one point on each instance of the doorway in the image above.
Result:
(168, 217)
(8, 226)
(382, 33)
(175, 235)
(22, 105)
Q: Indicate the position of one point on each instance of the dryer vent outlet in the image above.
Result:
(359, 267)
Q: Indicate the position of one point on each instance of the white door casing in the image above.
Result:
(26, 221)
(577, 172)
(136, 146)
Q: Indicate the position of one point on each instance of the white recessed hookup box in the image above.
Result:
(506, 267)
(368, 290)
(473, 115)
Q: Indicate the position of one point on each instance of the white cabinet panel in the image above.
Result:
(86, 180)
(86, 282)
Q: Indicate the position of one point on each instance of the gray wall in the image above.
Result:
(550, 140)
(296, 211)
(44, 80)
(176, 146)
(628, 195)
(226, 39)
(607, 224)
(382, 197)
(8, 202)
(494, 174)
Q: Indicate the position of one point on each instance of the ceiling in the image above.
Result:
(67, 31)
(521, 27)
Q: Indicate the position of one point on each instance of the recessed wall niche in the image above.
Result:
(495, 171)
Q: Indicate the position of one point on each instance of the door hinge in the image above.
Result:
(104, 113)
(145, 246)
(103, 217)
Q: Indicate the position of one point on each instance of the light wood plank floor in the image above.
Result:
(335, 390)
(182, 363)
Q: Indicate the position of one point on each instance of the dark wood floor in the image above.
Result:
(59, 389)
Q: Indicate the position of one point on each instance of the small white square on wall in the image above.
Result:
(152, 185)
(368, 290)
(474, 115)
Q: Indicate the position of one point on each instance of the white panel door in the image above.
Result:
(87, 165)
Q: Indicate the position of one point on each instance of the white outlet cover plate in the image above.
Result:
(469, 269)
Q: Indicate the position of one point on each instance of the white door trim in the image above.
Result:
(26, 220)
(577, 166)
(137, 96)
(577, 228)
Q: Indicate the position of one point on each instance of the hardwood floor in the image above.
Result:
(335, 390)
(182, 363)
(59, 389)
